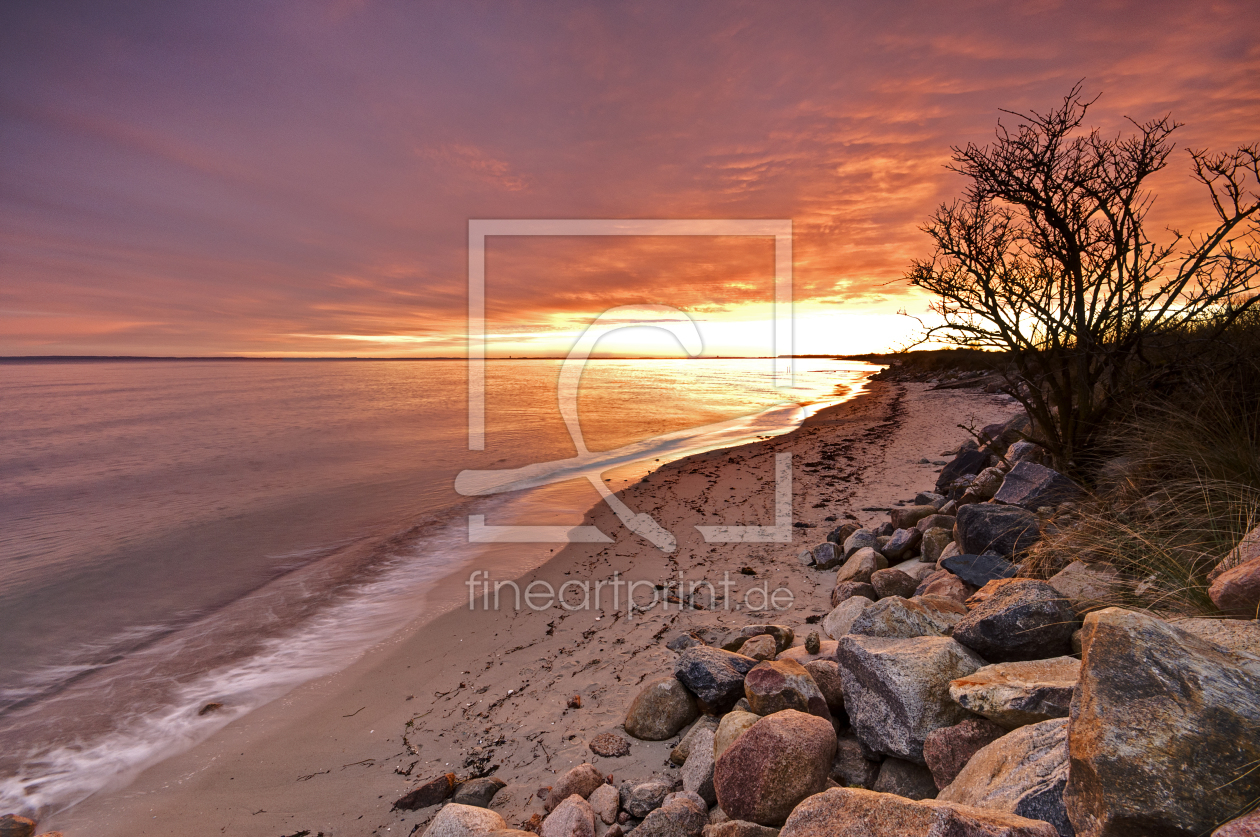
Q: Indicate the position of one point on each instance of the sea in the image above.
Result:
(184, 541)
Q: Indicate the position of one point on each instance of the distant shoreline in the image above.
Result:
(142, 358)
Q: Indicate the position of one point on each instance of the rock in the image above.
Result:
(905, 778)
(1016, 694)
(849, 589)
(1234, 635)
(1163, 728)
(733, 725)
(1245, 826)
(902, 544)
(1023, 773)
(677, 817)
(1003, 530)
(948, 551)
(826, 673)
(841, 533)
(606, 803)
(662, 707)
(853, 812)
(1237, 591)
(684, 640)
(936, 521)
(854, 765)
(896, 691)
(714, 676)
(979, 570)
(1023, 620)
(916, 569)
(906, 517)
(783, 635)
(609, 745)
(898, 617)
(642, 799)
(826, 651)
(11, 825)
(784, 684)
(779, 761)
(477, 792)
(741, 705)
(760, 648)
(1026, 452)
(679, 754)
(1030, 486)
(739, 828)
(983, 487)
(813, 643)
(806, 557)
(928, 498)
(948, 749)
(1087, 586)
(893, 582)
(984, 593)
(572, 817)
(697, 772)
(934, 543)
(837, 623)
(465, 820)
(1247, 549)
(860, 566)
(580, 780)
(430, 793)
(861, 539)
(966, 463)
(827, 556)
(945, 585)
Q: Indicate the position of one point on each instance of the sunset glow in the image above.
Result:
(297, 178)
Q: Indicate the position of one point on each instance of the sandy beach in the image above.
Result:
(478, 691)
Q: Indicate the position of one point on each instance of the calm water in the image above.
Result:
(179, 533)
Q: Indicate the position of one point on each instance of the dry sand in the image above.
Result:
(474, 689)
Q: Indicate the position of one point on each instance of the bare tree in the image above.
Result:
(1047, 256)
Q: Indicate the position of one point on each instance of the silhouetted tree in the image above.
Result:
(1047, 256)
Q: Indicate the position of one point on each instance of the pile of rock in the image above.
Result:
(951, 696)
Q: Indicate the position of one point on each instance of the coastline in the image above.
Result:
(328, 756)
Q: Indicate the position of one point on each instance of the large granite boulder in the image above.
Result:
(714, 676)
(905, 778)
(739, 828)
(936, 521)
(802, 654)
(1247, 825)
(934, 543)
(893, 582)
(1017, 694)
(827, 556)
(1088, 586)
(860, 566)
(579, 781)
(478, 792)
(846, 590)
(1237, 591)
(1246, 550)
(466, 820)
(1233, 635)
(784, 684)
(777, 762)
(1030, 486)
(1165, 730)
(639, 800)
(14, 825)
(896, 691)
(573, 817)
(989, 528)
(838, 622)
(1023, 773)
(697, 771)
(661, 709)
(759, 648)
(606, 803)
(853, 812)
(945, 585)
(902, 544)
(948, 749)
(1024, 619)
(898, 617)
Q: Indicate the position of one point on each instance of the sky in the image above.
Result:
(297, 178)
